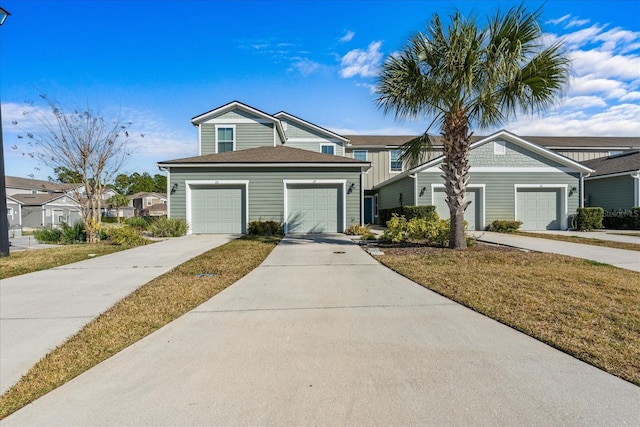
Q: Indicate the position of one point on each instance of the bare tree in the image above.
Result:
(85, 144)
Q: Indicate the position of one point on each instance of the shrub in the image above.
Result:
(140, 221)
(168, 227)
(357, 230)
(368, 236)
(125, 236)
(409, 212)
(71, 234)
(265, 228)
(627, 219)
(434, 232)
(109, 219)
(48, 235)
(396, 231)
(505, 226)
(589, 218)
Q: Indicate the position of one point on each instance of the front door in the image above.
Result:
(368, 210)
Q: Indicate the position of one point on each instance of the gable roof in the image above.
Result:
(503, 134)
(279, 155)
(282, 115)
(617, 164)
(550, 142)
(142, 194)
(37, 184)
(197, 120)
(38, 199)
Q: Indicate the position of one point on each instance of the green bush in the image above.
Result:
(357, 230)
(125, 236)
(48, 235)
(109, 219)
(434, 232)
(624, 219)
(265, 228)
(140, 221)
(368, 236)
(589, 218)
(409, 212)
(396, 231)
(504, 226)
(168, 227)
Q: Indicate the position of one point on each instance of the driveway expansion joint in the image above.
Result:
(324, 308)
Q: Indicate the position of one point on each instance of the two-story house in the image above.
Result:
(256, 166)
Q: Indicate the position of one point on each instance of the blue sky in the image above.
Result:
(160, 63)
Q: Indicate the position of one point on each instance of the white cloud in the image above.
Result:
(347, 37)
(577, 102)
(575, 22)
(605, 64)
(558, 20)
(305, 66)
(631, 96)
(590, 85)
(360, 62)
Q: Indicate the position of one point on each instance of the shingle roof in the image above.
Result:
(36, 184)
(605, 142)
(36, 199)
(266, 155)
(620, 163)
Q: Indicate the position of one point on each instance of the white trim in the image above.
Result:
(236, 121)
(415, 188)
(169, 193)
(224, 126)
(362, 197)
(317, 128)
(401, 162)
(564, 202)
(636, 189)
(613, 175)
(501, 169)
(375, 205)
(482, 201)
(265, 165)
(499, 148)
(326, 140)
(287, 182)
(328, 144)
(215, 183)
(366, 154)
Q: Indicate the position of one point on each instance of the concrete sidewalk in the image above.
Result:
(624, 236)
(39, 311)
(621, 258)
(322, 334)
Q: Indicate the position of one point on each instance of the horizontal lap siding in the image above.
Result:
(266, 188)
(500, 189)
(312, 138)
(610, 193)
(248, 135)
(389, 195)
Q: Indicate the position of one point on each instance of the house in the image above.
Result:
(252, 165)
(510, 178)
(615, 184)
(257, 166)
(14, 217)
(149, 203)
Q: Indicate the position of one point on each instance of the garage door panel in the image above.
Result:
(313, 209)
(217, 210)
(473, 214)
(539, 208)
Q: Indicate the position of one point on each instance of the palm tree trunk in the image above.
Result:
(456, 174)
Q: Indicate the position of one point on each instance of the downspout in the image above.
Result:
(361, 197)
(636, 187)
(415, 188)
(582, 195)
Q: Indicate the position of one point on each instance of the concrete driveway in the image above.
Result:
(322, 334)
(39, 311)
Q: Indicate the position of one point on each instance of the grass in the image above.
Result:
(626, 234)
(28, 261)
(147, 309)
(590, 311)
(584, 240)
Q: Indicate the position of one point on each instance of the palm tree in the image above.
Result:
(118, 201)
(464, 75)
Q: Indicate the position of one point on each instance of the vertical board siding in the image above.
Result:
(609, 193)
(581, 156)
(266, 188)
(500, 189)
(389, 195)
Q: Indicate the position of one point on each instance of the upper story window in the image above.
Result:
(499, 148)
(395, 160)
(225, 138)
(328, 148)
(149, 201)
(360, 155)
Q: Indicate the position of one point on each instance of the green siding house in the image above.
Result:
(509, 179)
(255, 166)
(615, 184)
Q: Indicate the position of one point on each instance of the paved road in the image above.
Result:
(39, 311)
(621, 258)
(321, 334)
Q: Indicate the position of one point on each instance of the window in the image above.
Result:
(395, 164)
(225, 138)
(47, 212)
(10, 212)
(327, 149)
(360, 155)
(149, 201)
(499, 148)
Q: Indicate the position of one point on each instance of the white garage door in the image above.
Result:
(314, 209)
(539, 208)
(473, 214)
(217, 210)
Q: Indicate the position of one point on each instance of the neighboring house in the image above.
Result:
(149, 203)
(47, 210)
(257, 166)
(510, 178)
(14, 217)
(17, 185)
(615, 184)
